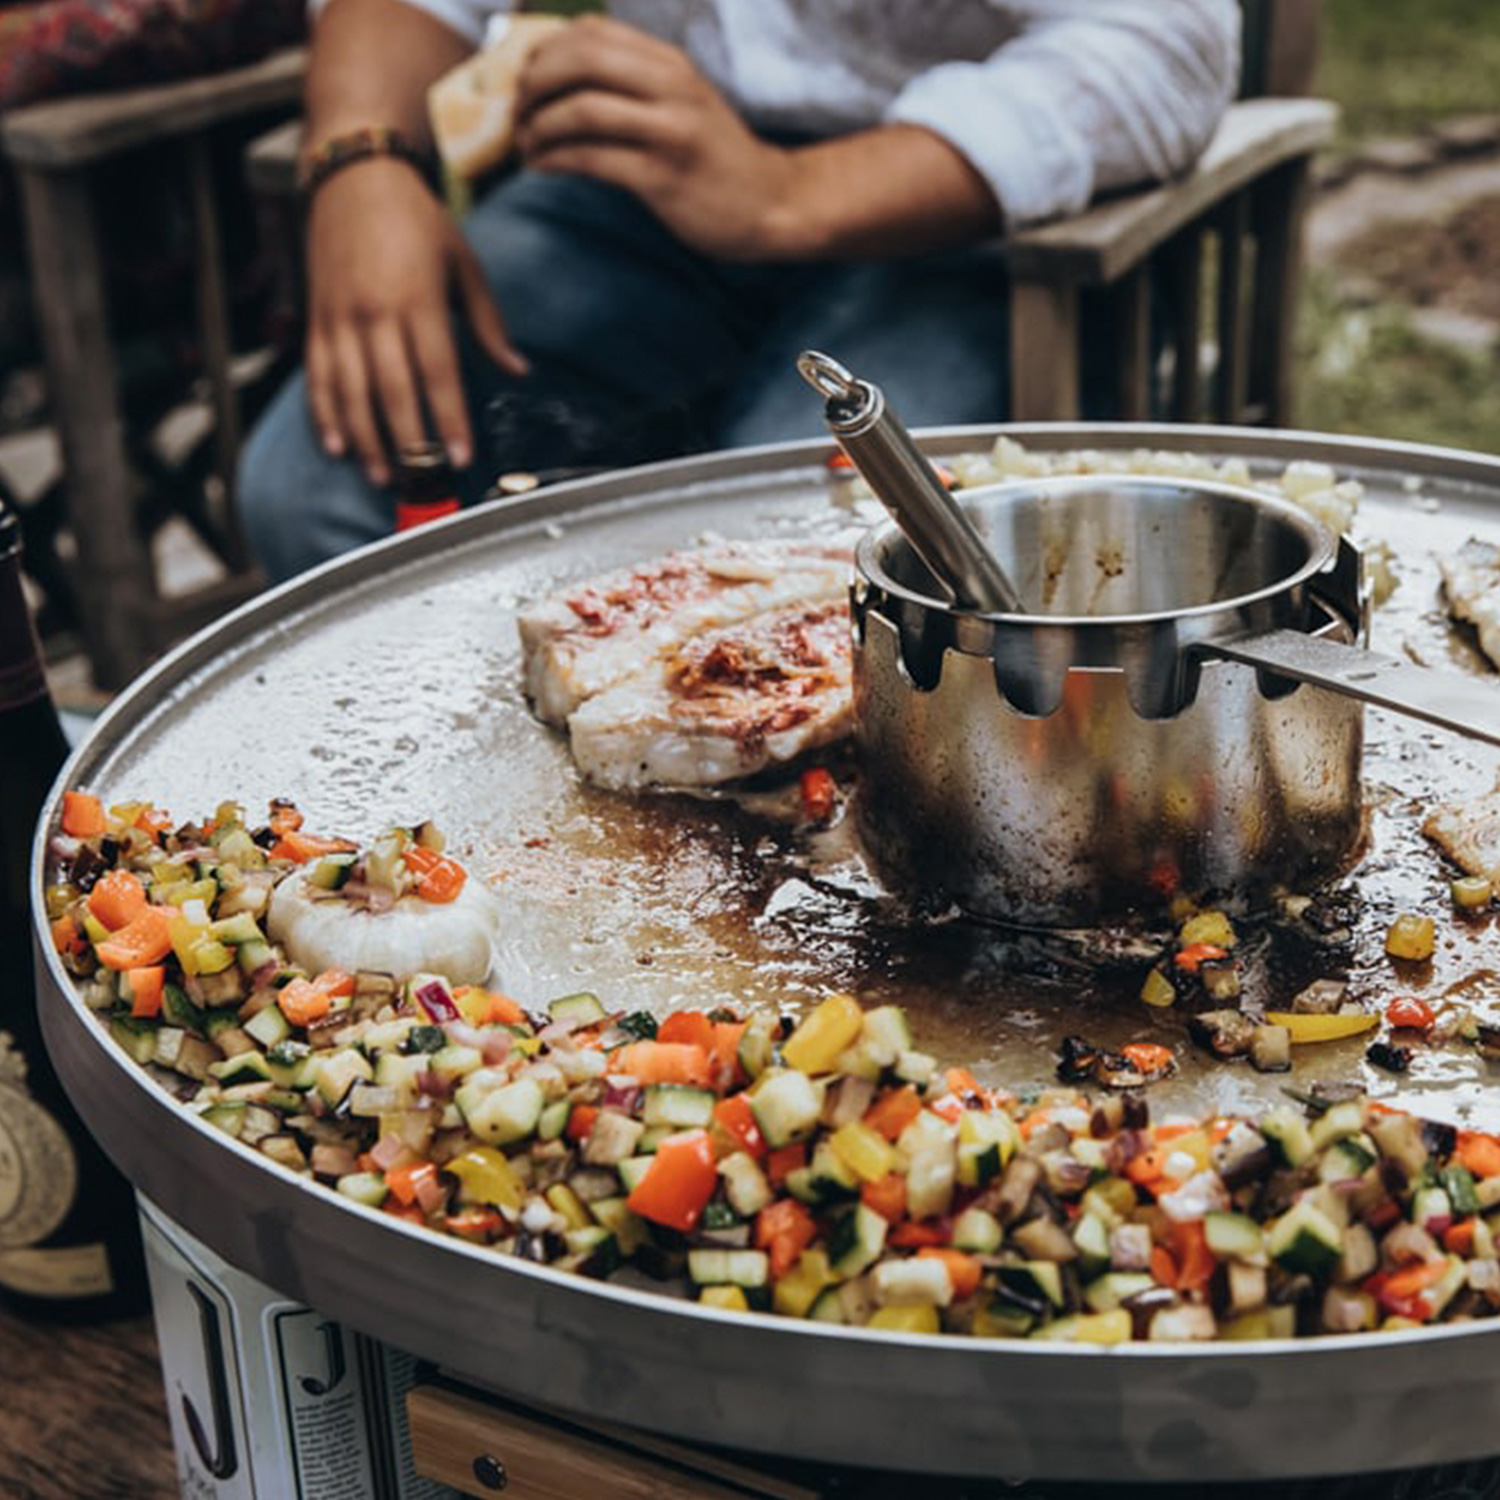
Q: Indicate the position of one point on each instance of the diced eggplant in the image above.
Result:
(1271, 1049)
(1225, 1033)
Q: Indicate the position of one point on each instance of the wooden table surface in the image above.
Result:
(83, 1415)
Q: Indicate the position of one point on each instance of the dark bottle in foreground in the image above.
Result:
(426, 486)
(69, 1237)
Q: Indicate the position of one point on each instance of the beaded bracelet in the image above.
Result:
(341, 151)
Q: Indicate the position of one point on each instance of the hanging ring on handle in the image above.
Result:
(828, 377)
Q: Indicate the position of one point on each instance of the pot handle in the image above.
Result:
(1464, 704)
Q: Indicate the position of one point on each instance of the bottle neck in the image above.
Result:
(22, 678)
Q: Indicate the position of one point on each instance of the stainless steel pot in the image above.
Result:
(1084, 762)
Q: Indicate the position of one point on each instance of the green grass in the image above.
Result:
(1395, 65)
(1365, 370)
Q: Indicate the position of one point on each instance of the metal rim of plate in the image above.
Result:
(1340, 1404)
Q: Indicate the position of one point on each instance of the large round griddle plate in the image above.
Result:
(371, 691)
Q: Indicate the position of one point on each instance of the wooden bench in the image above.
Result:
(58, 150)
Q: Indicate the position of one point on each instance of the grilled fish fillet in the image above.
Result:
(577, 644)
(1471, 580)
(727, 704)
(1469, 834)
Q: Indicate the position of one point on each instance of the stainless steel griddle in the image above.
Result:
(384, 688)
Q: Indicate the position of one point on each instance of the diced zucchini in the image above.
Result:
(979, 1232)
(632, 1170)
(1462, 1193)
(1108, 1291)
(745, 1185)
(245, 1067)
(137, 1037)
(332, 871)
(1233, 1236)
(857, 1241)
(828, 1307)
(563, 1200)
(987, 1139)
(553, 1119)
(679, 1106)
(501, 1115)
(796, 1292)
(594, 1250)
(364, 1187)
(582, 1009)
(916, 1068)
(628, 1228)
(1287, 1134)
(757, 1050)
(920, 1281)
(930, 1177)
(911, 1319)
(268, 1026)
(1335, 1123)
(454, 1062)
(240, 928)
(338, 1072)
(1091, 1236)
(1431, 1204)
(1304, 1239)
(743, 1268)
(725, 1298)
(1345, 1160)
(226, 1116)
(1035, 1279)
(830, 1178)
(786, 1105)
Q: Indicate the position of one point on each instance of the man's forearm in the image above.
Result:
(372, 62)
(894, 190)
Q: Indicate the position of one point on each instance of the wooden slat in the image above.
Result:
(1278, 209)
(1101, 244)
(1291, 46)
(68, 279)
(1044, 378)
(1184, 317)
(1133, 341)
(1233, 223)
(481, 1447)
(72, 132)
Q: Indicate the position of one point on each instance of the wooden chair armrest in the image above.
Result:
(62, 134)
(1101, 244)
(271, 160)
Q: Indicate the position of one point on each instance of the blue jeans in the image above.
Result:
(642, 349)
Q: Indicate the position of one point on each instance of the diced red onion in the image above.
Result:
(434, 998)
(387, 1151)
(495, 1046)
(625, 1098)
(431, 1193)
(433, 1085)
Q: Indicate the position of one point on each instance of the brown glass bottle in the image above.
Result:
(426, 486)
(69, 1237)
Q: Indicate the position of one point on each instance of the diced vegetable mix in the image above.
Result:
(830, 1171)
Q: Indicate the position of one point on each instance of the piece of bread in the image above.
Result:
(473, 107)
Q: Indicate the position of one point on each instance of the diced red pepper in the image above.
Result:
(1147, 1057)
(819, 794)
(1195, 1261)
(405, 1183)
(147, 987)
(301, 847)
(893, 1111)
(1480, 1153)
(886, 1196)
(1192, 958)
(581, 1120)
(117, 899)
(734, 1117)
(439, 879)
(146, 939)
(679, 1182)
(690, 1027)
(1408, 1012)
(477, 1223)
(781, 1163)
(82, 815)
(784, 1229)
(913, 1234)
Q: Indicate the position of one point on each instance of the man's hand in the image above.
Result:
(385, 266)
(605, 100)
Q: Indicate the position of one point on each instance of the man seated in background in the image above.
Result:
(706, 187)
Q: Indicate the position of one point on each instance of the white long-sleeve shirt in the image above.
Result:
(1051, 101)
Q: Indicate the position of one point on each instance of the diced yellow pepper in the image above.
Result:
(1321, 1028)
(1411, 936)
(1207, 927)
(865, 1152)
(473, 1002)
(210, 956)
(815, 1045)
(907, 1319)
(561, 1198)
(797, 1291)
(1112, 1327)
(485, 1175)
(1158, 990)
(727, 1298)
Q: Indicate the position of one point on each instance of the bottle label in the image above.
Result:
(68, 1271)
(38, 1168)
